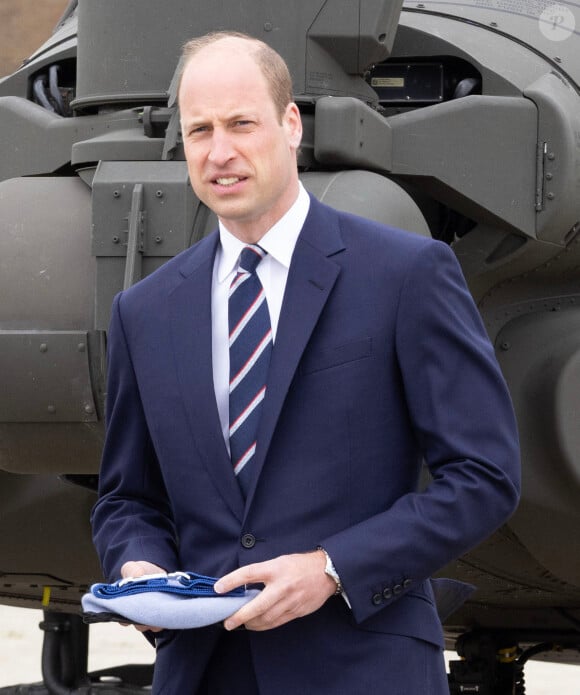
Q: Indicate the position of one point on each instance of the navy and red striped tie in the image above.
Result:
(250, 337)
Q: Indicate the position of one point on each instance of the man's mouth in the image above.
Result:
(228, 180)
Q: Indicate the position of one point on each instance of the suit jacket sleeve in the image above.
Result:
(464, 424)
(131, 520)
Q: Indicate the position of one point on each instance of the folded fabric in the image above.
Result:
(177, 601)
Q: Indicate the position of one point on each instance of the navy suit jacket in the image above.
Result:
(380, 362)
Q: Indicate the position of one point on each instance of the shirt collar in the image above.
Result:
(279, 241)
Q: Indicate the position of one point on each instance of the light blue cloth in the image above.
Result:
(176, 601)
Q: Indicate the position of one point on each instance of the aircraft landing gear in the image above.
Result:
(493, 664)
(484, 669)
(65, 664)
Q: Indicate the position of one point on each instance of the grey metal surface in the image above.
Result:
(550, 28)
(446, 146)
(46, 377)
(559, 148)
(167, 218)
(168, 201)
(327, 45)
(540, 354)
(369, 195)
(35, 141)
(52, 511)
(47, 271)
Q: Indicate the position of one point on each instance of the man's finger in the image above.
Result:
(250, 611)
(137, 568)
(248, 574)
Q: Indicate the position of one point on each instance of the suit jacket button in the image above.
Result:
(387, 594)
(248, 540)
(407, 583)
(377, 599)
(397, 589)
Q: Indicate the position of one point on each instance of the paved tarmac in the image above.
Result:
(21, 640)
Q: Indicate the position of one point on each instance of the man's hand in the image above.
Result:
(295, 585)
(132, 570)
(138, 568)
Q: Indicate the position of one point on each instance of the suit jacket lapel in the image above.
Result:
(190, 310)
(311, 278)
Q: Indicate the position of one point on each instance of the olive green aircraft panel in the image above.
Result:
(506, 66)
(549, 27)
(369, 195)
(35, 141)
(47, 377)
(558, 156)
(540, 358)
(326, 44)
(56, 538)
(45, 254)
(447, 147)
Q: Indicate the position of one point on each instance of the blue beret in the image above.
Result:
(176, 601)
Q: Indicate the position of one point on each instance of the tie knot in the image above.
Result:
(250, 257)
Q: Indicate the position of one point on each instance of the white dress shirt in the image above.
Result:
(279, 242)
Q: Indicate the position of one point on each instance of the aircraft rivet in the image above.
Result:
(43, 347)
(51, 409)
(115, 240)
(81, 347)
(158, 240)
(506, 345)
(159, 194)
(493, 24)
(551, 156)
(268, 26)
(551, 196)
(116, 194)
(558, 59)
(549, 177)
(89, 409)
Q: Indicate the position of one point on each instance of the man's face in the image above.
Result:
(241, 156)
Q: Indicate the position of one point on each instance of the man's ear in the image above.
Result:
(292, 122)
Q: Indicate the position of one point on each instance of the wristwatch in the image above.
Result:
(330, 570)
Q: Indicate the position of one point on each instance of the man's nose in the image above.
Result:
(221, 149)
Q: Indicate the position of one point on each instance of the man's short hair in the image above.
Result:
(269, 61)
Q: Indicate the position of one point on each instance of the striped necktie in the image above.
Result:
(250, 338)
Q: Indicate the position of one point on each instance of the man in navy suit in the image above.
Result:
(379, 363)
